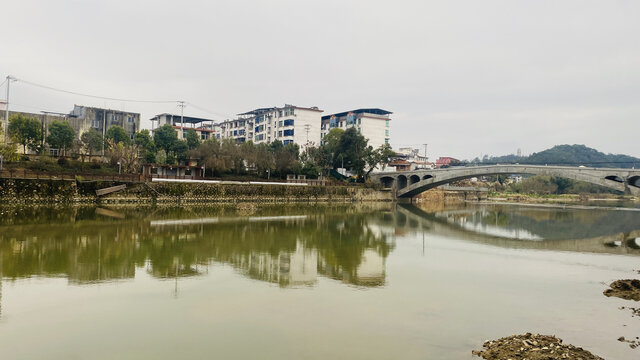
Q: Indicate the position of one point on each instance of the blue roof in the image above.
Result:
(375, 111)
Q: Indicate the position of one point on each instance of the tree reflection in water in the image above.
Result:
(274, 245)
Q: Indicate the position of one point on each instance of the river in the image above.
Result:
(379, 281)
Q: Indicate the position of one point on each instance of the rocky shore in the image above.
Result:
(628, 289)
(532, 347)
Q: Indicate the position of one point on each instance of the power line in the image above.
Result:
(208, 111)
(120, 99)
(94, 96)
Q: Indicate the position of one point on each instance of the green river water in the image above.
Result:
(378, 281)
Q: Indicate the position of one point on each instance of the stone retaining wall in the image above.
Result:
(14, 191)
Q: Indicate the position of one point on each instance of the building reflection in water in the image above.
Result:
(289, 250)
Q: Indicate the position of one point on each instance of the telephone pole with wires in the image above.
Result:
(181, 105)
(6, 111)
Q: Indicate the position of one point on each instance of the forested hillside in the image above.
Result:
(571, 155)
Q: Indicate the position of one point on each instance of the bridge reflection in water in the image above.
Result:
(594, 231)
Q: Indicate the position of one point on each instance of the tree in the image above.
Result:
(180, 150)
(27, 131)
(352, 147)
(61, 135)
(118, 134)
(91, 141)
(378, 157)
(127, 155)
(164, 137)
(193, 140)
(146, 145)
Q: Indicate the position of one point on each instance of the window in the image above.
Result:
(95, 124)
(130, 119)
(280, 133)
(387, 123)
(280, 123)
(386, 141)
(288, 132)
(288, 122)
(351, 119)
(286, 142)
(386, 133)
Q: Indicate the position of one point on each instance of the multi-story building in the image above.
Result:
(372, 123)
(205, 128)
(288, 124)
(102, 119)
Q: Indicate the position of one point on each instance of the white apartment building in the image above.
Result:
(289, 124)
(372, 123)
(205, 128)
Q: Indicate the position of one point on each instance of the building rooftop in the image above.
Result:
(375, 111)
(187, 119)
(261, 111)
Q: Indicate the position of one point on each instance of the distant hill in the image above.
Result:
(571, 155)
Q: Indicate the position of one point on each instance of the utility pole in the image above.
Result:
(104, 125)
(6, 112)
(181, 105)
(425, 151)
(307, 127)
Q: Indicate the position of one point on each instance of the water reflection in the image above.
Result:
(593, 230)
(88, 245)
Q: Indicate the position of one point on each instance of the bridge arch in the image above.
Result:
(427, 177)
(413, 179)
(387, 181)
(615, 178)
(402, 182)
(634, 181)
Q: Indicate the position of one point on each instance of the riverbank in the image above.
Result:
(603, 199)
(35, 191)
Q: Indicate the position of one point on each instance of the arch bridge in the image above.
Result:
(407, 184)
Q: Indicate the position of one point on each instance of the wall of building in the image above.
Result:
(102, 119)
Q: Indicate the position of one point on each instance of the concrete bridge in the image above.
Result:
(407, 184)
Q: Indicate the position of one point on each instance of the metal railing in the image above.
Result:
(49, 175)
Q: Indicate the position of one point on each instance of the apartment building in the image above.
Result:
(288, 124)
(372, 123)
(205, 128)
(101, 120)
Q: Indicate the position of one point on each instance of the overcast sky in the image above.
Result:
(467, 77)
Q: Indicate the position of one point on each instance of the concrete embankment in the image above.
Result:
(25, 191)
(451, 195)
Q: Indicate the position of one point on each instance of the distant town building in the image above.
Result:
(205, 128)
(414, 157)
(288, 124)
(102, 119)
(372, 123)
(446, 161)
